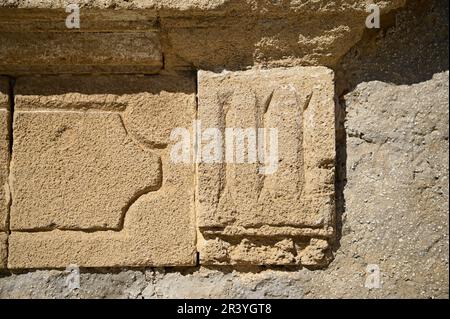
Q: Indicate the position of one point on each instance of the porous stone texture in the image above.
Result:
(192, 34)
(260, 209)
(391, 174)
(85, 53)
(407, 239)
(114, 42)
(4, 152)
(120, 42)
(404, 208)
(89, 186)
(191, 6)
(209, 35)
(4, 168)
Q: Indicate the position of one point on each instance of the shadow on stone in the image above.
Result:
(410, 46)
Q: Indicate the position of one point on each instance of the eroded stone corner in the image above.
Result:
(282, 218)
(92, 182)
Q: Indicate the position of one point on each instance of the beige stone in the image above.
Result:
(232, 35)
(38, 41)
(4, 152)
(249, 217)
(3, 250)
(92, 183)
(93, 20)
(211, 35)
(194, 6)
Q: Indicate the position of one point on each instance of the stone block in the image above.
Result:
(116, 35)
(107, 41)
(92, 181)
(274, 205)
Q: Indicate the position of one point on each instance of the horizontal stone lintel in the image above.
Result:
(24, 53)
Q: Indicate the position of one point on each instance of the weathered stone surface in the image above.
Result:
(83, 52)
(409, 48)
(4, 152)
(236, 34)
(4, 168)
(404, 207)
(76, 170)
(406, 52)
(4, 91)
(94, 20)
(210, 35)
(94, 187)
(367, 235)
(250, 216)
(3, 250)
(110, 41)
(257, 6)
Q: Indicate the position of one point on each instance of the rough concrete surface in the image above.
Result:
(391, 185)
(72, 56)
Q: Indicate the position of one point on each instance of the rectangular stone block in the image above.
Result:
(275, 204)
(3, 250)
(92, 180)
(82, 52)
(4, 152)
(92, 20)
